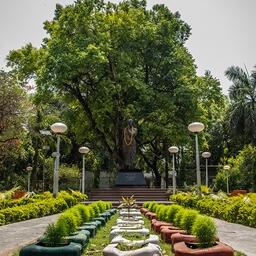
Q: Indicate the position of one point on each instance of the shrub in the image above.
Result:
(70, 200)
(151, 206)
(188, 219)
(83, 211)
(178, 217)
(91, 211)
(205, 230)
(68, 222)
(146, 204)
(95, 208)
(54, 234)
(162, 212)
(171, 212)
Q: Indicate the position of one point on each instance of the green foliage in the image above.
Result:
(68, 222)
(54, 235)
(188, 219)
(238, 209)
(178, 217)
(70, 200)
(242, 174)
(83, 211)
(205, 230)
(171, 212)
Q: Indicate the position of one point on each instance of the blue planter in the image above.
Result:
(91, 228)
(79, 238)
(39, 249)
(101, 219)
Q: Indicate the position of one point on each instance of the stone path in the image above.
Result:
(240, 237)
(12, 236)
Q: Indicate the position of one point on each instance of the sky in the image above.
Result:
(222, 30)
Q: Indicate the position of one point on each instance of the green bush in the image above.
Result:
(84, 212)
(171, 212)
(205, 230)
(151, 206)
(162, 213)
(178, 217)
(68, 222)
(70, 200)
(188, 219)
(54, 235)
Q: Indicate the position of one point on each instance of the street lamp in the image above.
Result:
(173, 150)
(227, 168)
(206, 155)
(57, 128)
(83, 151)
(197, 127)
(29, 169)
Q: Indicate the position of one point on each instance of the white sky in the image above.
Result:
(223, 31)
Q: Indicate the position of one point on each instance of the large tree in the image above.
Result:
(114, 62)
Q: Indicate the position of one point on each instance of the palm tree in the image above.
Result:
(242, 94)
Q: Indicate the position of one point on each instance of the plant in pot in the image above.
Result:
(52, 243)
(128, 203)
(205, 231)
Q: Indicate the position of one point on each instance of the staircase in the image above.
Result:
(140, 194)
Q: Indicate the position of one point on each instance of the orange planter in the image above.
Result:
(167, 232)
(220, 249)
(144, 210)
(18, 194)
(150, 215)
(156, 226)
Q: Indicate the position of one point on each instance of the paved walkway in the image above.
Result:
(240, 237)
(17, 234)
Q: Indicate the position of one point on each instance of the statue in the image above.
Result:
(129, 144)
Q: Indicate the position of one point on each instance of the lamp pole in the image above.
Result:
(227, 168)
(197, 127)
(83, 151)
(29, 169)
(206, 155)
(57, 128)
(173, 150)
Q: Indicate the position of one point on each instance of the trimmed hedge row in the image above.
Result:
(235, 209)
(203, 227)
(40, 207)
(8, 203)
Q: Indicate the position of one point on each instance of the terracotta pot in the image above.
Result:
(144, 210)
(237, 192)
(220, 249)
(156, 226)
(150, 215)
(176, 238)
(167, 232)
(18, 194)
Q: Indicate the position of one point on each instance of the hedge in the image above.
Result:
(238, 209)
(40, 206)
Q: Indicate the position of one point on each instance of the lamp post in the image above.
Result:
(57, 128)
(197, 127)
(206, 155)
(83, 151)
(29, 169)
(227, 168)
(173, 150)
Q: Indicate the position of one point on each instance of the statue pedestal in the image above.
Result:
(130, 178)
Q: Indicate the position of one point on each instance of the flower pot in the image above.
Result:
(101, 219)
(79, 238)
(237, 192)
(39, 249)
(156, 226)
(91, 228)
(144, 210)
(149, 250)
(151, 215)
(167, 232)
(188, 249)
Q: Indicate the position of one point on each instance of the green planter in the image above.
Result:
(101, 219)
(91, 228)
(84, 232)
(95, 223)
(105, 215)
(79, 238)
(39, 249)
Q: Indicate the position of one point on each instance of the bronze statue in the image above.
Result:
(129, 144)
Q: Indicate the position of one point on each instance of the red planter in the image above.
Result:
(156, 226)
(220, 249)
(167, 232)
(238, 192)
(18, 194)
(144, 210)
(150, 215)
(178, 237)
